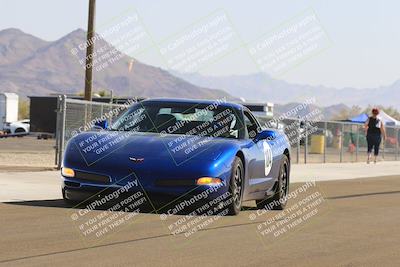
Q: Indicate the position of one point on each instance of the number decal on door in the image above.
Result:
(267, 157)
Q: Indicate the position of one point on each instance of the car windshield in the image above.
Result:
(180, 118)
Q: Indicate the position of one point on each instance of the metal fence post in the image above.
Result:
(86, 117)
(397, 144)
(58, 120)
(383, 149)
(305, 141)
(298, 143)
(341, 143)
(111, 109)
(61, 134)
(357, 142)
(325, 139)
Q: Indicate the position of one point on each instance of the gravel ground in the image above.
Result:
(26, 153)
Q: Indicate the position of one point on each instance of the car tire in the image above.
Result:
(279, 199)
(236, 187)
(19, 130)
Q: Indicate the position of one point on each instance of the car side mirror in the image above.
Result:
(265, 135)
(101, 125)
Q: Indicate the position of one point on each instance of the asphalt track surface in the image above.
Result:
(357, 223)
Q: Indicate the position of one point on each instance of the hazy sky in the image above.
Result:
(365, 36)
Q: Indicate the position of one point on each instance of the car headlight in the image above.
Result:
(208, 181)
(67, 172)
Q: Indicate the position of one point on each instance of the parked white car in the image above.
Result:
(21, 126)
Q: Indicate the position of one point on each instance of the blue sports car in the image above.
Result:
(180, 152)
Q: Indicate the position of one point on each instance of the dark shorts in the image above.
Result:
(374, 141)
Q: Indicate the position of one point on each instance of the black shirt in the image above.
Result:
(374, 126)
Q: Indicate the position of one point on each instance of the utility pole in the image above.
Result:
(89, 51)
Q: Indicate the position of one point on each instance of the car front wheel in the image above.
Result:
(236, 187)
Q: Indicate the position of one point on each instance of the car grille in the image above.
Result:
(175, 182)
(91, 177)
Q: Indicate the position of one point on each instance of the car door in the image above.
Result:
(259, 155)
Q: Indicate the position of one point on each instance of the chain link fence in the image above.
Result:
(332, 141)
(75, 116)
(311, 141)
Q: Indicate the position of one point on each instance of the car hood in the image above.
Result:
(148, 156)
(103, 146)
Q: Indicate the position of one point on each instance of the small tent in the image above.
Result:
(388, 120)
(363, 117)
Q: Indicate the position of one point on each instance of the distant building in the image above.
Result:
(8, 108)
(43, 110)
(260, 109)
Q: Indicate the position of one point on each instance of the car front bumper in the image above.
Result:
(157, 196)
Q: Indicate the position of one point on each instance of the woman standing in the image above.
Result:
(375, 129)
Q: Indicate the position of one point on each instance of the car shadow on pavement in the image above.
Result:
(50, 203)
(60, 203)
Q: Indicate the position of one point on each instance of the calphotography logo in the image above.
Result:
(201, 43)
(294, 42)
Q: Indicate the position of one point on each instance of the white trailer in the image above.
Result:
(8, 108)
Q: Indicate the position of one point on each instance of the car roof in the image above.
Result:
(220, 102)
